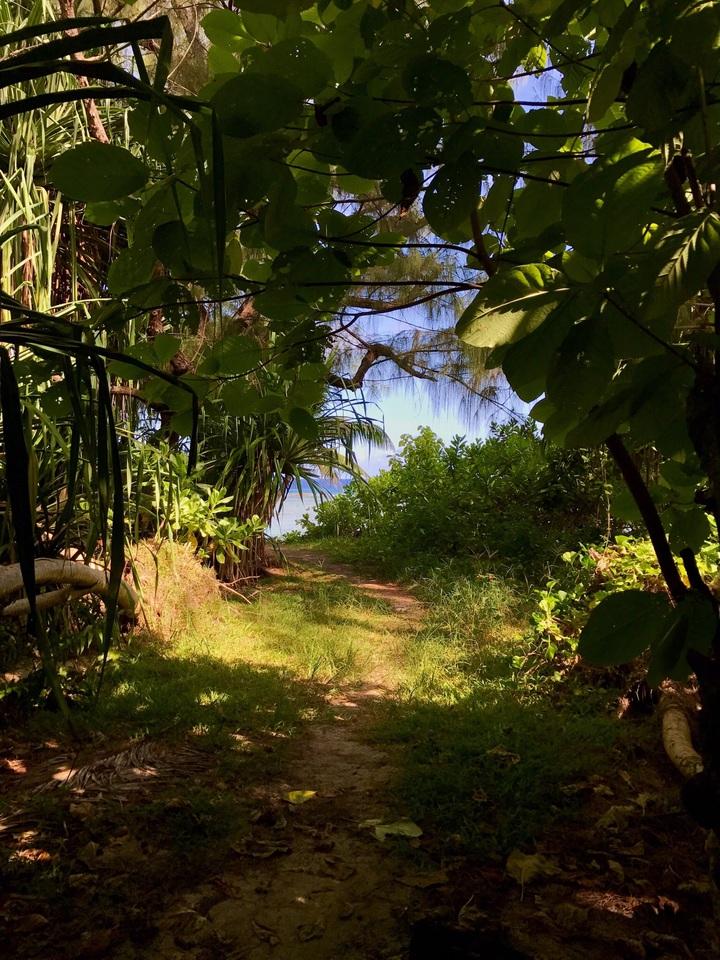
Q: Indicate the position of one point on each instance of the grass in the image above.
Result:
(485, 751)
(239, 682)
(212, 665)
(488, 751)
(487, 773)
(323, 629)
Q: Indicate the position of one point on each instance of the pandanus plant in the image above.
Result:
(259, 459)
(62, 473)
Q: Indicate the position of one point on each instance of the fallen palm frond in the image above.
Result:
(118, 775)
(130, 768)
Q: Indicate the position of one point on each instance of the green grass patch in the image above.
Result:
(231, 667)
(322, 628)
(487, 773)
(488, 749)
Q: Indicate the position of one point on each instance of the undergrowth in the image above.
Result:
(487, 749)
(489, 752)
(493, 738)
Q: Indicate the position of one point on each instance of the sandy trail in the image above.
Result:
(394, 594)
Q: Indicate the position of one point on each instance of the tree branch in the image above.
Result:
(95, 124)
(651, 517)
(377, 353)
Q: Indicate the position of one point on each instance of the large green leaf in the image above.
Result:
(619, 52)
(550, 127)
(234, 354)
(628, 205)
(451, 197)
(582, 367)
(690, 626)
(303, 423)
(536, 207)
(695, 253)
(391, 143)
(600, 421)
(182, 250)
(95, 171)
(498, 149)
(511, 305)
(527, 362)
(431, 80)
(250, 174)
(687, 528)
(664, 96)
(606, 208)
(226, 30)
(696, 35)
(254, 103)
(298, 61)
(285, 224)
(622, 626)
(131, 269)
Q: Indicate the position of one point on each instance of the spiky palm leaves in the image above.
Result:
(53, 272)
(259, 459)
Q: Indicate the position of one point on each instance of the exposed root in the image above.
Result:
(676, 709)
(72, 579)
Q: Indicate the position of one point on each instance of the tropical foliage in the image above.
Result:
(222, 251)
(511, 499)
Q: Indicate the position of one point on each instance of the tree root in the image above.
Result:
(677, 709)
(71, 578)
(676, 712)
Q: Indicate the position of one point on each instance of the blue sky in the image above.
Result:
(405, 413)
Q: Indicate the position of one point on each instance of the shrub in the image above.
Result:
(511, 497)
(588, 575)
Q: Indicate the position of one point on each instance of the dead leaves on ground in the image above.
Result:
(397, 828)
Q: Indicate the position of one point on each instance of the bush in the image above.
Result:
(588, 575)
(511, 497)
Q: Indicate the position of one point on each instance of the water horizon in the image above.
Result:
(301, 501)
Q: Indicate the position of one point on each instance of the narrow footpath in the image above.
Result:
(316, 879)
(323, 862)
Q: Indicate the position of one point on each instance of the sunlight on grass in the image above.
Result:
(216, 666)
(324, 631)
(489, 754)
(484, 753)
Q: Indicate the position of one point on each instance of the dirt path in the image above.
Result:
(312, 881)
(394, 594)
(624, 880)
(308, 879)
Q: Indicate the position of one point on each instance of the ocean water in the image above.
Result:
(299, 502)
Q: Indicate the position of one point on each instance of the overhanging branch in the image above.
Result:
(378, 353)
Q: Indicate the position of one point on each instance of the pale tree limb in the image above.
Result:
(72, 580)
(677, 735)
(378, 353)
